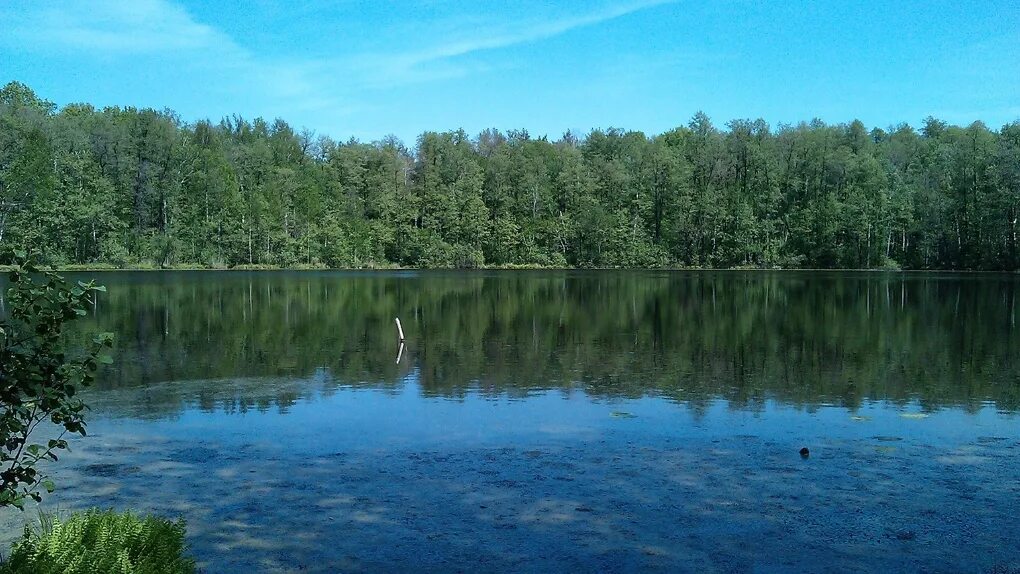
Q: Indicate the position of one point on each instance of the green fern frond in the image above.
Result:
(102, 541)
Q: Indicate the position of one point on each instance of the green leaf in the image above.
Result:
(40, 375)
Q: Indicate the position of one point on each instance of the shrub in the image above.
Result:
(889, 264)
(38, 380)
(102, 541)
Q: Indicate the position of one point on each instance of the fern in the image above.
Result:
(102, 541)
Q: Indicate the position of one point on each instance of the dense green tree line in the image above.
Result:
(137, 187)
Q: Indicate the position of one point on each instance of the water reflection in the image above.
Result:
(609, 421)
(804, 339)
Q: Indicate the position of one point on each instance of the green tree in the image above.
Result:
(129, 186)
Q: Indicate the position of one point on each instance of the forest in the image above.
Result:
(141, 188)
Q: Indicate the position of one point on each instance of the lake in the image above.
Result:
(561, 420)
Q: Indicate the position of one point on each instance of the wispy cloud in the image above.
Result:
(123, 31)
(514, 33)
(140, 26)
(438, 61)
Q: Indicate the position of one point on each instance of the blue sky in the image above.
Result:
(372, 68)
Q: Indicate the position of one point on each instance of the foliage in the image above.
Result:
(139, 188)
(102, 541)
(38, 380)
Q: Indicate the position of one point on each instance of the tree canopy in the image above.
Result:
(140, 187)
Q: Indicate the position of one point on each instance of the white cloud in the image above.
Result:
(438, 61)
(139, 26)
(123, 31)
(514, 33)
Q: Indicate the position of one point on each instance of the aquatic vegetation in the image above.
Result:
(102, 541)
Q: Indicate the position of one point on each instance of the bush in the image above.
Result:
(38, 379)
(889, 264)
(465, 257)
(102, 541)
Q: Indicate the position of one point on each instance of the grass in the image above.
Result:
(101, 541)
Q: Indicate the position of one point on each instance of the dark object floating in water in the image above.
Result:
(804, 452)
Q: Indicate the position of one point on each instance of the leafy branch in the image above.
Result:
(39, 379)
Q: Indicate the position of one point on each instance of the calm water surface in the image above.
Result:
(552, 421)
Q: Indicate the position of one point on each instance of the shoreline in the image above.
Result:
(99, 269)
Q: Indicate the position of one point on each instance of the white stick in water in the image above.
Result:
(400, 330)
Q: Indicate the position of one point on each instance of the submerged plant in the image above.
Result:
(102, 541)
